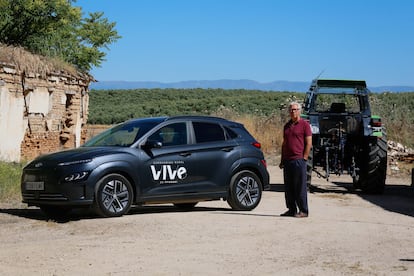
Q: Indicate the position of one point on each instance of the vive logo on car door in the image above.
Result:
(168, 173)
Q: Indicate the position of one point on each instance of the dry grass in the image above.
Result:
(24, 61)
(267, 131)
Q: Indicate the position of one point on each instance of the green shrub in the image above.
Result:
(10, 174)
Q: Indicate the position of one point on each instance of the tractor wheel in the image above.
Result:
(374, 166)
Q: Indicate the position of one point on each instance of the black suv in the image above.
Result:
(180, 160)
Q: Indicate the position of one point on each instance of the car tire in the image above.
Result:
(55, 212)
(114, 195)
(245, 191)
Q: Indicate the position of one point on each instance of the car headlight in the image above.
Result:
(75, 162)
(76, 176)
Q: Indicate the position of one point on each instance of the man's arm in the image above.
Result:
(281, 156)
(308, 145)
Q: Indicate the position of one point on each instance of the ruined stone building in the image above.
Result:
(43, 105)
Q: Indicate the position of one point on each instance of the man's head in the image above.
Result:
(294, 111)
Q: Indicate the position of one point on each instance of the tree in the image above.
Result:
(55, 28)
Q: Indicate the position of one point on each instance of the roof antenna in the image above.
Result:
(320, 74)
(314, 81)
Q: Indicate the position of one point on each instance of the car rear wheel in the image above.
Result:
(113, 196)
(245, 191)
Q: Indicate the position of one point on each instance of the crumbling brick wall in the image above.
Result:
(40, 113)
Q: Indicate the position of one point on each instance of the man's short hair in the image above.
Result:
(297, 104)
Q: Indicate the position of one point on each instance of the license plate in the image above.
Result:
(35, 186)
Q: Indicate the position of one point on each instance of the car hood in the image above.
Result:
(82, 154)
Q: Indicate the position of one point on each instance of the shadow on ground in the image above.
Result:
(79, 214)
(37, 214)
(397, 198)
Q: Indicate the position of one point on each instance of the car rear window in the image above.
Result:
(208, 132)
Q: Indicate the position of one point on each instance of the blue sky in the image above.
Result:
(261, 40)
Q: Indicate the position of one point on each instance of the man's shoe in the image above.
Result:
(288, 213)
(301, 215)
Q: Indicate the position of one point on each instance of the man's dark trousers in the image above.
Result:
(294, 174)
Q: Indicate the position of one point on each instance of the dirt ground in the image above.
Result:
(347, 233)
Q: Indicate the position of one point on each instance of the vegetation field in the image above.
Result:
(262, 112)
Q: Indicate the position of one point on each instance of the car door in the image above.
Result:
(168, 168)
(216, 154)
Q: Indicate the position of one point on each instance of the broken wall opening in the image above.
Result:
(40, 112)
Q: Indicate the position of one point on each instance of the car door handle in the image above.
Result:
(227, 149)
(185, 154)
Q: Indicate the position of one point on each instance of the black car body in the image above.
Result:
(180, 160)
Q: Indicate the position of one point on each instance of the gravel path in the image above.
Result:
(347, 233)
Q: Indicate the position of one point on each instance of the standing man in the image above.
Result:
(297, 142)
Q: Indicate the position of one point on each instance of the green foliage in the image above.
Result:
(10, 174)
(56, 29)
(115, 106)
(397, 114)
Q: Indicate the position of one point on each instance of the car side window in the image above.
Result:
(171, 135)
(208, 132)
(230, 133)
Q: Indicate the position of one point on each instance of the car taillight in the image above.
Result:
(257, 145)
(264, 163)
(376, 123)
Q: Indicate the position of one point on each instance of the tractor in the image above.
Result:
(346, 137)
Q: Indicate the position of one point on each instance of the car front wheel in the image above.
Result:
(113, 196)
(245, 191)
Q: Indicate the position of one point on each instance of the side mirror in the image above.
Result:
(152, 144)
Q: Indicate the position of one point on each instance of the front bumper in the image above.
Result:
(52, 191)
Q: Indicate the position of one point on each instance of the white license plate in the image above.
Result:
(35, 186)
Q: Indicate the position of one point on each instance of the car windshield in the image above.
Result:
(123, 135)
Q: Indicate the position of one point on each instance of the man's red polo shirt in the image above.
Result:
(294, 139)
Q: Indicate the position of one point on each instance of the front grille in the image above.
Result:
(51, 191)
(43, 196)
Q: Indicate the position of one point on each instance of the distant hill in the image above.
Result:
(294, 86)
